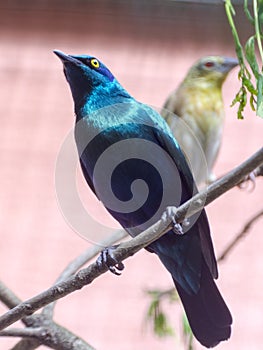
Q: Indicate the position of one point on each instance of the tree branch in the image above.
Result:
(126, 249)
(22, 332)
(53, 336)
(8, 297)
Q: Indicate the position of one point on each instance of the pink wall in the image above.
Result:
(149, 49)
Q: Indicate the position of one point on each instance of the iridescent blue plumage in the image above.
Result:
(140, 149)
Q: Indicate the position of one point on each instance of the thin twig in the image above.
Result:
(8, 297)
(240, 235)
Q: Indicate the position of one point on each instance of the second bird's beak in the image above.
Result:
(230, 63)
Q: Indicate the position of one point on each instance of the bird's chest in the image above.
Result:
(204, 111)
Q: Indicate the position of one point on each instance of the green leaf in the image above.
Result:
(241, 98)
(161, 326)
(156, 315)
(252, 102)
(260, 96)
(247, 58)
(249, 86)
(251, 56)
(152, 309)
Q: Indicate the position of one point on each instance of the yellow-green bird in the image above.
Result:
(199, 104)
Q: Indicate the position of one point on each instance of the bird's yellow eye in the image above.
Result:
(95, 63)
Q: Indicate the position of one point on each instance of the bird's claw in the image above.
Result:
(250, 178)
(107, 258)
(169, 213)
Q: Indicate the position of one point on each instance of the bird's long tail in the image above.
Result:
(207, 313)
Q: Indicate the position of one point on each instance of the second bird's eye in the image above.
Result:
(95, 63)
(209, 64)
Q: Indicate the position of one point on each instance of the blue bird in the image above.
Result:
(133, 164)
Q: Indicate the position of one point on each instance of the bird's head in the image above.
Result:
(87, 76)
(213, 69)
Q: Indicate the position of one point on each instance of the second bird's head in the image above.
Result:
(212, 69)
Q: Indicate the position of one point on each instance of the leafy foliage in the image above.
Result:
(156, 314)
(249, 68)
(251, 77)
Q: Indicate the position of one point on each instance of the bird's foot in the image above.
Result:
(169, 214)
(107, 258)
(249, 179)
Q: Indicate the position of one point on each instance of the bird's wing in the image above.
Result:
(190, 189)
(173, 103)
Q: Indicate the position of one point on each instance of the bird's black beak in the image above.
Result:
(66, 58)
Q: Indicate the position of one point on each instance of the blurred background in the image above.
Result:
(149, 46)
